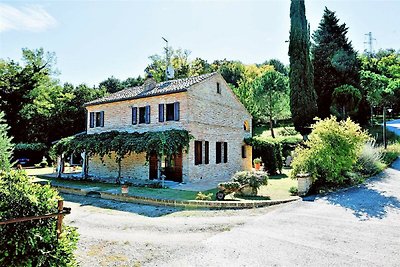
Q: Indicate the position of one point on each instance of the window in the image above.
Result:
(142, 115)
(206, 152)
(244, 152)
(225, 152)
(170, 112)
(218, 88)
(161, 112)
(246, 126)
(96, 119)
(198, 152)
(218, 152)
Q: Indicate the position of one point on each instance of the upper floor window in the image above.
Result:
(96, 119)
(218, 88)
(142, 117)
(246, 126)
(171, 112)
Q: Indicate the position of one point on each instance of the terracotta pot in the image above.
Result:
(257, 166)
(124, 189)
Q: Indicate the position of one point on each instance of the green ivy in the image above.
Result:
(124, 143)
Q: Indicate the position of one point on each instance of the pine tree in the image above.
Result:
(5, 145)
(303, 103)
(334, 60)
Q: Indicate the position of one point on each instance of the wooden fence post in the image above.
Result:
(60, 207)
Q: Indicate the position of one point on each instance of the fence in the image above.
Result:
(61, 212)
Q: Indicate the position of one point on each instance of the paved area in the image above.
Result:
(356, 227)
(394, 126)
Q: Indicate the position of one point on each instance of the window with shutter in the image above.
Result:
(101, 118)
(91, 119)
(218, 152)
(170, 114)
(198, 152)
(176, 111)
(161, 112)
(147, 114)
(225, 152)
(142, 115)
(206, 152)
(98, 119)
(134, 115)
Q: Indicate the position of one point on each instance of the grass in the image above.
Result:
(278, 186)
(265, 132)
(376, 132)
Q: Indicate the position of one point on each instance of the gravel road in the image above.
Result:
(353, 227)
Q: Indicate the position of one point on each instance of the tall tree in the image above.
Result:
(112, 85)
(303, 104)
(271, 97)
(334, 60)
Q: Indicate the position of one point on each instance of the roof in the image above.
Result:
(163, 88)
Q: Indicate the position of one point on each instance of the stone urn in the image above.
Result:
(247, 191)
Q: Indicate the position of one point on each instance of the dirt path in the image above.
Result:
(359, 226)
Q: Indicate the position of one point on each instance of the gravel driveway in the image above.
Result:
(357, 226)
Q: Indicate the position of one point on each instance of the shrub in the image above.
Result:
(288, 132)
(202, 196)
(332, 150)
(254, 179)
(369, 161)
(32, 243)
(391, 153)
(293, 191)
(6, 148)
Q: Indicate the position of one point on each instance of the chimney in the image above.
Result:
(149, 83)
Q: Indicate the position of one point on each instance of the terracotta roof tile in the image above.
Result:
(167, 87)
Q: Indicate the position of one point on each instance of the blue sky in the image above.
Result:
(96, 39)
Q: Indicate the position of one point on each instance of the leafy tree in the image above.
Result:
(199, 66)
(334, 59)
(32, 243)
(302, 95)
(271, 96)
(232, 71)
(132, 82)
(278, 66)
(6, 147)
(112, 85)
(345, 100)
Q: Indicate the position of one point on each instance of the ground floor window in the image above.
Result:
(198, 156)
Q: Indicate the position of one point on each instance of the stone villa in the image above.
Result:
(203, 105)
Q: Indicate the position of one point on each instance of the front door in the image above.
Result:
(171, 167)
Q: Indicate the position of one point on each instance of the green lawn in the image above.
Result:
(277, 187)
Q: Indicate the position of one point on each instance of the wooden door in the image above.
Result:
(153, 166)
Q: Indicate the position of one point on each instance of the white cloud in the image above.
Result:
(28, 18)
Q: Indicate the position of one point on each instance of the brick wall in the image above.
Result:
(206, 114)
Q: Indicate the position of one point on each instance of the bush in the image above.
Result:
(254, 179)
(270, 153)
(332, 150)
(369, 161)
(6, 148)
(288, 132)
(202, 196)
(391, 153)
(32, 243)
(293, 191)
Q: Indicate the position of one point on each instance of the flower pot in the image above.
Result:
(124, 189)
(247, 191)
(257, 166)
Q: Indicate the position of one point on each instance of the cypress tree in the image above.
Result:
(334, 60)
(303, 103)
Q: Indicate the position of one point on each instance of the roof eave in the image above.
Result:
(134, 97)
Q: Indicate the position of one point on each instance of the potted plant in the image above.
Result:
(124, 189)
(257, 163)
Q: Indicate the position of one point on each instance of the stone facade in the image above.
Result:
(207, 114)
